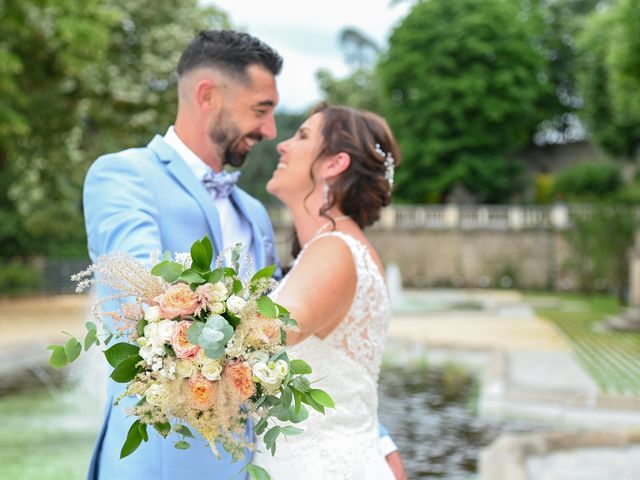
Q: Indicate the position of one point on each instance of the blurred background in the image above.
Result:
(510, 247)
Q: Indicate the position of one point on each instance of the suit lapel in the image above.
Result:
(256, 233)
(180, 171)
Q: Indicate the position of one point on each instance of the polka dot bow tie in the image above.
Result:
(219, 185)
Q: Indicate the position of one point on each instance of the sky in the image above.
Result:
(306, 35)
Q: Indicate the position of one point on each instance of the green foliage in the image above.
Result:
(17, 277)
(465, 84)
(212, 336)
(78, 80)
(361, 89)
(588, 181)
(600, 241)
(608, 63)
(263, 159)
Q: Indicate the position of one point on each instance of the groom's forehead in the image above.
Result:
(261, 89)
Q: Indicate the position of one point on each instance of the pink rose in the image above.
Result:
(240, 375)
(202, 392)
(177, 301)
(181, 345)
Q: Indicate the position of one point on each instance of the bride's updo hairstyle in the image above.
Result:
(366, 185)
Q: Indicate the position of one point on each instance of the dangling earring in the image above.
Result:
(325, 191)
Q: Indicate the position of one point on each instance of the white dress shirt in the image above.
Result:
(233, 225)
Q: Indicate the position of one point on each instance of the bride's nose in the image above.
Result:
(282, 147)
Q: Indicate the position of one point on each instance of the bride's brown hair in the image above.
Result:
(362, 189)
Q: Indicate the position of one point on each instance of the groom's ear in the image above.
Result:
(208, 94)
(337, 164)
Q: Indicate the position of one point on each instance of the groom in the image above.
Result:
(165, 195)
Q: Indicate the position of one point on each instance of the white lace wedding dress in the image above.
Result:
(344, 443)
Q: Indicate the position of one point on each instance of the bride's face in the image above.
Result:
(291, 180)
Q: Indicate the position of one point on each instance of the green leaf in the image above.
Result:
(322, 397)
(184, 431)
(199, 256)
(298, 416)
(90, 339)
(192, 276)
(168, 270)
(261, 426)
(108, 339)
(302, 384)
(257, 473)
(292, 431)
(119, 352)
(215, 276)
(280, 412)
(299, 367)
(58, 358)
(266, 272)
(208, 248)
(126, 369)
(91, 326)
(182, 445)
(266, 307)
(133, 440)
(308, 399)
(297, 398)
(194, 331)
(271, 436)
(237, 286)
(142, 427)
(163, 428)
(140, 327)
(72, 348)
(286, 397)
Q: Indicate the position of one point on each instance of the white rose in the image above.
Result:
(258, 356)
(154, 394)
(219, 291)
(266, 376)
(281, 368)
(211, 370)
(235, 304)
(146, 352)
(217, 308)
(152, 314)
(165, 330)
(185, 368)
(151, 332)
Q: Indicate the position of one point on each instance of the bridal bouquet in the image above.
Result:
(200, 349)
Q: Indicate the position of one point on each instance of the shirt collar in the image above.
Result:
(195, 163)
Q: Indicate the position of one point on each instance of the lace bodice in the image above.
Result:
(362, 333)
(344, 443)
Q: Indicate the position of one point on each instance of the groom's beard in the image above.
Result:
(226, 135)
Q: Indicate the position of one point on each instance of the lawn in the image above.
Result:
(612, 358)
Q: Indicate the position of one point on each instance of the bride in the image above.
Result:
(335, 174)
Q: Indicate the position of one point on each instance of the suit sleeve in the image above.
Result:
(120, 209)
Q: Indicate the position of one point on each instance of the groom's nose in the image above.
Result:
(268, 128)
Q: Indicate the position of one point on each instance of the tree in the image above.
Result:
(359, 50)
(465, 84)
(81, 79)
(609, 59)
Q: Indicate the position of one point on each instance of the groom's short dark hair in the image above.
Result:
(230, 51)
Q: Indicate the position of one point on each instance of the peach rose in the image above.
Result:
(240, 375)
(202, 392)
(177, 301)
(181, 345)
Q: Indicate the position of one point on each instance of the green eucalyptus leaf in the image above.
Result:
(72, 348)
(58, 358)
(298, 414)
(297, 399)
(194, 331)
(168, 270)
(271, 436)
(301, 384)
(286, 397)
(133, 440)
(119, 352)
(292, 431)
(90, 339)
(91, 326)
(261, 426)
(299, 367)
(192, 276)
(182, 445)
(280, 412)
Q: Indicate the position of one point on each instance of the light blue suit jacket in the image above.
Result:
(146, 200)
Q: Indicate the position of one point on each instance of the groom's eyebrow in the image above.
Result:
(266, 103)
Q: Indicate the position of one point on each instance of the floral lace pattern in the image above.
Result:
(344, 443)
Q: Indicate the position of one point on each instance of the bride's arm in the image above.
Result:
(320, 288)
